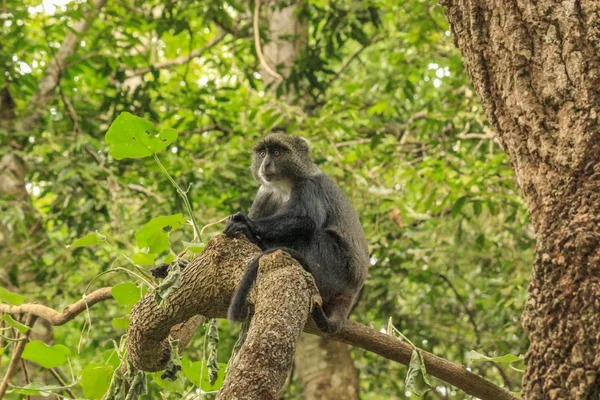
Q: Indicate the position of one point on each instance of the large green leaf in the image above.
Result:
(11, 298)
(47, 356)
(193, 370)
(152, 235)
(130, 136)
(126, 294)
(143, 258)
(95, 380)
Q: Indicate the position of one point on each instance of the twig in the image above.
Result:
(62, 383)
(149, 193)
(59, 318)
(416, 116)
(174, 62)
(16, 356)
(25, 373)
(259, 52)
(347, 64)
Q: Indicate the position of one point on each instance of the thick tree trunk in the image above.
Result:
(326, 369)
(536, 69)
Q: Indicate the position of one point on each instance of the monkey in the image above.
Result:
(300, 210)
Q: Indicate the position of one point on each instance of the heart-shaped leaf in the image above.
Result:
(126, 294)
(95, 380)
(47, 356)
(143, 258)
(134, 137)
(11, 298)
(152, 235)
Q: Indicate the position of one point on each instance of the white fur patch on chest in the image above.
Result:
(279, 191)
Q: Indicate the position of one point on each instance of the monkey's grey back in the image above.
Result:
(342, 217)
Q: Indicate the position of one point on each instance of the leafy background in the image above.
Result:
(382, 94)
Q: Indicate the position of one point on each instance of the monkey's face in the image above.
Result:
(269, 163)
(279, 158)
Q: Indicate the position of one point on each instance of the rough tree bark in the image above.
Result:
(325, 368)
(536, 69)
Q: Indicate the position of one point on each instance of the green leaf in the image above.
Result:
(458, 205)
(176, 386)
(505, 359)
(112, 358)
(378, 108)
(47, 356)
(11, 298)
(152, 235)
(134, 137)
(416, 377)
(95, 380)
(192, 371)
(121, 323)
(194, 247)
(126, 294)
(15, 324)
(91, 239)
(143, 258)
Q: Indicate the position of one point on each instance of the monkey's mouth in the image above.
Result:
(269, 176)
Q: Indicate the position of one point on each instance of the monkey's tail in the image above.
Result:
(237, 307)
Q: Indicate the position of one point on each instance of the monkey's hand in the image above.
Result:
(239, 222)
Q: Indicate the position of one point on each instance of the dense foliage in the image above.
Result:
(381, 93)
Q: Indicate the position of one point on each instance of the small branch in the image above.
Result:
(259, 52)
(149, 193)
(59, 318)
(174, 62)
(416, 116)
(62, 383)
(54, 70)
(16, 356)
(461, 301)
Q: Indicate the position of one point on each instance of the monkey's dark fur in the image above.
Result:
(301, 211)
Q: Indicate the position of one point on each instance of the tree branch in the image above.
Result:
(59, 318)
(55, 68)
(207, 286)
(174, 62)
(16, 356)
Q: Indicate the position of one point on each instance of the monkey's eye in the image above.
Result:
(262, 154)
(276, 153)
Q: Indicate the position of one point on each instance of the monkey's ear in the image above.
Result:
(302, 144)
